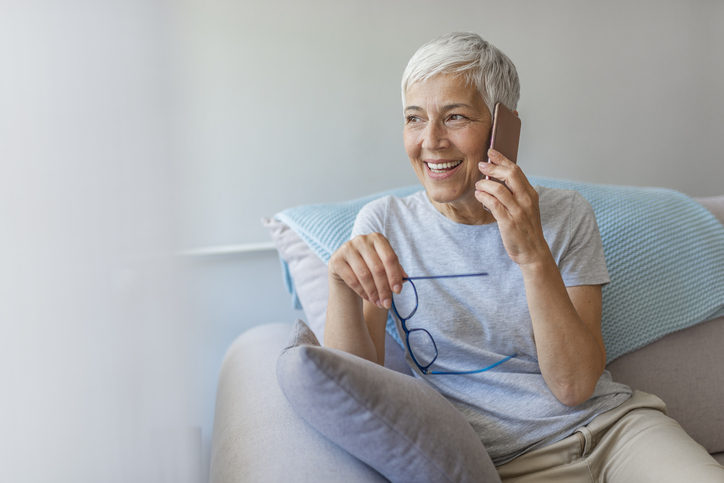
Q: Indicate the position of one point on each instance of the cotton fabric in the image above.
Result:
(396, 424)
(635, 442)
(478, 321)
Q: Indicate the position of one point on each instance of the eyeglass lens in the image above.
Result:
(420, 342)
(422, 347)
(406, 300)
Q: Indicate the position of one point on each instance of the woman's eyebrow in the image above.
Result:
(444, 108)
(455, 106)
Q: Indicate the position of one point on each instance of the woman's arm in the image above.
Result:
(566, 321)
(567, 330)
(363, 273)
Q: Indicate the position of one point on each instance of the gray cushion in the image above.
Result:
(257, 437)
(397, 424)
(686, 370)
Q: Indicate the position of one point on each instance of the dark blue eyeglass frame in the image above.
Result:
(403, 320)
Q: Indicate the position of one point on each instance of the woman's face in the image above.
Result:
(446, 134)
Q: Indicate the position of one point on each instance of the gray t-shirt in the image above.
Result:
(477, 321)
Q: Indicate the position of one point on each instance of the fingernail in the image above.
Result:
(482, 165)
(387, 303)
(397, 288)
(492, 152)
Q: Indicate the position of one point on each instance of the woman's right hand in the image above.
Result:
(369, 266)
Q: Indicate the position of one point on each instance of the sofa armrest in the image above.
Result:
(686, 370)
(257, 436)
(715, 204)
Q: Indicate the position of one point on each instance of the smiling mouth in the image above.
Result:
(443, 167)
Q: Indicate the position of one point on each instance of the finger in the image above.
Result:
(523, 193)
(364, 273)
(488, 169)
(498, 166)
(393, 269)
(376, 266)
(506, 206)
(507, 171)
(348, 274)
(497, 158)
(493, 204)
(502, 195)
(500, 172)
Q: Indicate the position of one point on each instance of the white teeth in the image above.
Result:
(444, 165)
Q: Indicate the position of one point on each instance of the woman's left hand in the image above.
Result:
(514, 203)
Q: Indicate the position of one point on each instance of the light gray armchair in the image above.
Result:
(257, 437)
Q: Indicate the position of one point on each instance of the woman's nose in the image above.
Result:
(435, 137)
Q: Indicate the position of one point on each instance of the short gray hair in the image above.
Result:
(467, 55)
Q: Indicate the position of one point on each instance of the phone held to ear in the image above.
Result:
(505, 134)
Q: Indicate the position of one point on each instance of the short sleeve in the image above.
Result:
(583, 262)
(371, 218)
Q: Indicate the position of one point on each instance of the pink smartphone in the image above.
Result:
(505, 134)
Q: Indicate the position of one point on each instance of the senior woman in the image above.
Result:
(519, 351)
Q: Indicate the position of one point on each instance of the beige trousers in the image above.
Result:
(635, 442)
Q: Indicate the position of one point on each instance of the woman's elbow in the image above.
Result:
(573, 394)
(573, 399)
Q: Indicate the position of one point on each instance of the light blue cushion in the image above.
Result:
(664, 252)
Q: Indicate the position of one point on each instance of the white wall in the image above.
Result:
(298, 102)
(131, 129)
(289, 102)
(98, 353)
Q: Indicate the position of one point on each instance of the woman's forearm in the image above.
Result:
(570, 353)
(345, 327)
(363, 274)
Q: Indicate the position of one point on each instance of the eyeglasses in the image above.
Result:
(420, 342)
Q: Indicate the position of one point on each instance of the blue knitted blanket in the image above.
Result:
(664, 253)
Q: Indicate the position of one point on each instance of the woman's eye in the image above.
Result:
(412, 119)
(457, 117)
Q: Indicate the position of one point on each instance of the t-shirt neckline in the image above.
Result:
(426, 201)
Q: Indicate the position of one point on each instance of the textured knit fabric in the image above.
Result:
(478, 321)
(664, 253)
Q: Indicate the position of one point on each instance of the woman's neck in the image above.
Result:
(465, 212)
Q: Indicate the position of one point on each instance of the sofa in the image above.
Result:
(259, 435)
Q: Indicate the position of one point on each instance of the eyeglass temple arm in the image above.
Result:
(481, 274)
(475, 372)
